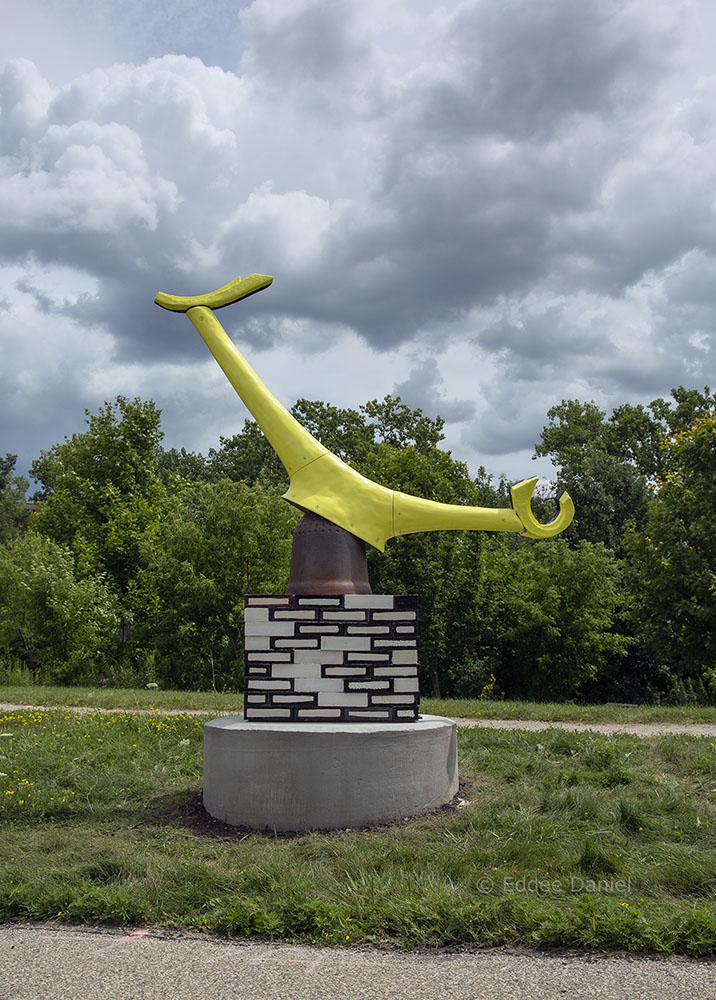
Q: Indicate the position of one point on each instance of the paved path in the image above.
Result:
(643, 729)
(48, 963)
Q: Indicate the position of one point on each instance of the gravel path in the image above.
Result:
(56, 963)
(643, 729)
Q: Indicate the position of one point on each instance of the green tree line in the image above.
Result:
(621, 607)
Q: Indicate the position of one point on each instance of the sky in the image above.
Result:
(484, 207)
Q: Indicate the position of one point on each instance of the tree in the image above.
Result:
(185, 464)
(64, 629)
(7, 467)
(247, 457)
(180, 540)
(218, 541)
(438, 566)
(343, 431)
(13, 514)
(352, 435)
(101, 489)
(545, 618)
(400, 426)
(611, 466)
(596, 468)
(675, 555)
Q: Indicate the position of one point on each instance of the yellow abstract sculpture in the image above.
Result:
(320, 481)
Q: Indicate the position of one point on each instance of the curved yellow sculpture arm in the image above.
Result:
(320, 481)
(239, 288)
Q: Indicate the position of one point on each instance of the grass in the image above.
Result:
(566, 839)
(135, 699)
(132, 699)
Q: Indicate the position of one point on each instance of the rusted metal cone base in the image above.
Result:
(326, 559)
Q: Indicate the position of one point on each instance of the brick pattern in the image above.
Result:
(340, 658)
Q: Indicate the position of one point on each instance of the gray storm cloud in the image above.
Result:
(528, 186)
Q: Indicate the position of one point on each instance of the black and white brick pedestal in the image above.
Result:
(339, 658)
(331, 736)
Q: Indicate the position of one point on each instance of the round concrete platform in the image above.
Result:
(322, 776)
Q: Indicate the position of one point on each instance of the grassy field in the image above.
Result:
(133, 699)
(215, 702)
(562, 839)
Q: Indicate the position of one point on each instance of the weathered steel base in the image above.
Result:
(322, 776)
(326, 559)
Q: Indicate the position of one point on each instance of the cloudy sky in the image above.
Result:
(484, 206)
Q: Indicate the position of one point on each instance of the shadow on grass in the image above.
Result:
(185, 809)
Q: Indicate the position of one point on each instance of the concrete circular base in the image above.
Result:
(322, 776)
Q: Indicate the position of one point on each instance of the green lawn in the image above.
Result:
(564, 839)
(133, 699)
(213, 702)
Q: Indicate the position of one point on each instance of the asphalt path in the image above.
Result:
(53, 963)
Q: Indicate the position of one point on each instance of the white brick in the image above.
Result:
(346, 671)
(394, 642)
(256, 614)
(355, 699)
(268, 684)
(367, 629)
(348, 616)
(269, 628)
(373, 657)
(263, 713)
(269, 657)
(368, 714)
(322, 601)
(297, 643)
(260, 599)
(258, 698)
(402, 713)
(314, 684)
(256, 642)
(295, 614)
(298, 698)
(312, 629)
(405, 656)
(318, 656)
(257, 670)
(395, 671)
(344, 642)
(394, 699)
(395, 616)
(296, 670)
(405, 630)
(325, 713)
(405, 684)
(368, 685)
(368, 601)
